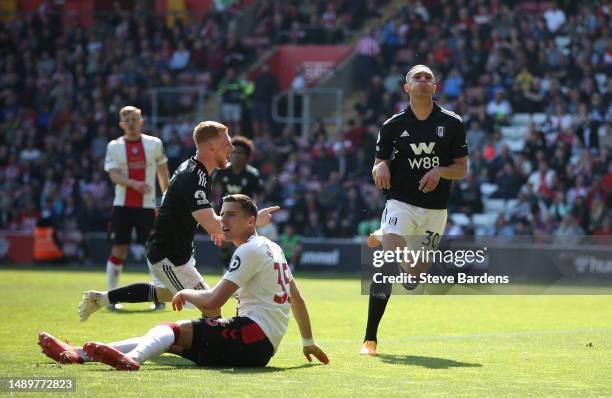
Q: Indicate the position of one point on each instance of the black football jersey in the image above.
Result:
(189, 190)
(416, 146)
(247, 182)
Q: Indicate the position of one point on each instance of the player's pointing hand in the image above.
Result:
(264, 215)
(317, 352)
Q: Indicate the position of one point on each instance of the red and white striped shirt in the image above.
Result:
(136, 160)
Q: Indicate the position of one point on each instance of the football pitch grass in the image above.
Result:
(428, 345)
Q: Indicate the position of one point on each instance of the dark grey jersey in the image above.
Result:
(189, 190)
(414, 147)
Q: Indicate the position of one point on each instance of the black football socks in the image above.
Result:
(134, 293)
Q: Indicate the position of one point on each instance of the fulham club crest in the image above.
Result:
(440, 131)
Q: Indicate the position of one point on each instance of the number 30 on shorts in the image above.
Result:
(432, 239)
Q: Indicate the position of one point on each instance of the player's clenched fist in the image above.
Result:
(317, 352)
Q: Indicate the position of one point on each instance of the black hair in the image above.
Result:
(246, 203)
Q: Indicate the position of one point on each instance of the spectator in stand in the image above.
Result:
(233, 91)
(289, 241)
(266, 87)
(499, 108)
(367, 53)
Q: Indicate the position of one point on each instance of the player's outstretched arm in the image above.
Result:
(300, 313)
(209, 220)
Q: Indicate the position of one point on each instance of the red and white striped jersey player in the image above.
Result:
(132, 162)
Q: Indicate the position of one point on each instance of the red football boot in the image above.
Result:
(108, 355)
(58, 350)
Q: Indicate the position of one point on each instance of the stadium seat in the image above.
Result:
(494, 205)
(562, 42)
(461, 219)
(539, 118)
(484, 219)
(511, 203)
(488, 189)
(521, 119)
(515, 145)
(513, 132)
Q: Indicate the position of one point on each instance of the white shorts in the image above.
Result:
(420, 227)
(175, 278)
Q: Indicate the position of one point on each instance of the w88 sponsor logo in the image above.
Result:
(424, 162)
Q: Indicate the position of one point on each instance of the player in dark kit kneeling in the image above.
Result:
(238, 177)
(418, 152)
(267, 294)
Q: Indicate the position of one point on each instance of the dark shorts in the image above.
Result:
(234, 342)
(125, 219)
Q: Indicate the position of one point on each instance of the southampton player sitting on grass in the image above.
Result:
(418, 152)
(185, 204)
(266, 291)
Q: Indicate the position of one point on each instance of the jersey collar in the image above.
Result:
(434, 111)
(199, 165)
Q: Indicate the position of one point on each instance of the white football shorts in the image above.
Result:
(421, 227)
(177, 277)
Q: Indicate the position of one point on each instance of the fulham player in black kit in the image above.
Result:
(418, 152)
(185, 204)
(238, 178)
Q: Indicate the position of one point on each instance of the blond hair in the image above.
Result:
(208, 130)
(126, 110)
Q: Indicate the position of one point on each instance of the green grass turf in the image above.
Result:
(428, 345)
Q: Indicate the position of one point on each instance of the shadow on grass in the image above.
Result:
(180, 362)
(177, 362)
(135, 311)
(425, 362)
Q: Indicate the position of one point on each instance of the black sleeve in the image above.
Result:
(196, 197)
(459, 147)
(384, 143)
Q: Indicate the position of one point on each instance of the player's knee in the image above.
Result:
(393, 241)
(120, 251)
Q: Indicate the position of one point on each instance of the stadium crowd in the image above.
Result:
(60, 92)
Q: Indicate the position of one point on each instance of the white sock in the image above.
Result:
(83, 354)
(124, 346)
(104, 298)
(112, 274)
(154, 343)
